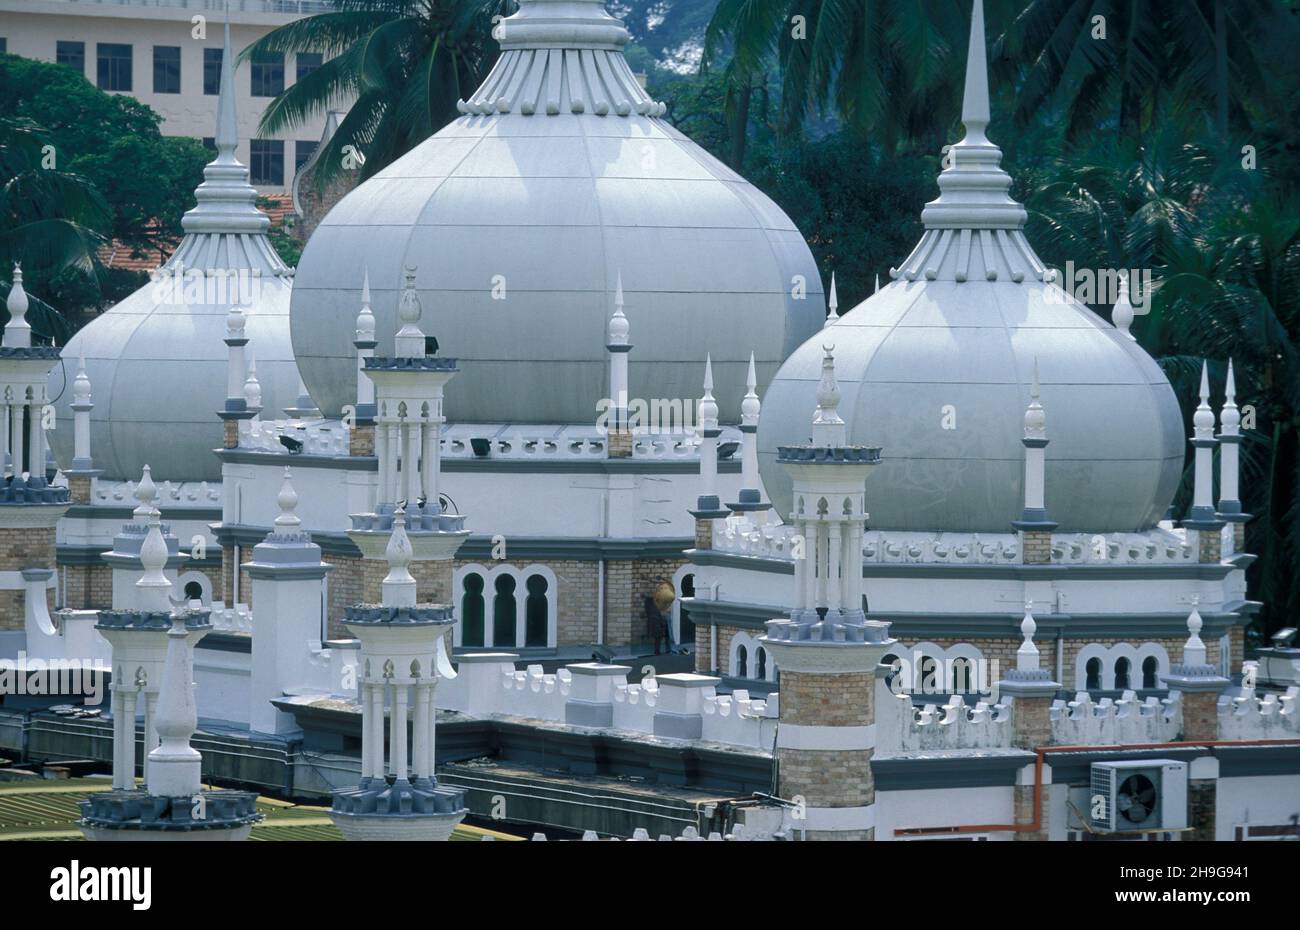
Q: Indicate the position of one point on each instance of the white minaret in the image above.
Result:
(618, 347)
(81, 407)
(832, 305)
(403, 654)
(708, 505)
(1034, 526)
(365, 345)
(751, 487)
(1229, 457)
(1202, 518)
(252, 387)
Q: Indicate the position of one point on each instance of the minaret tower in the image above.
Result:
(29, 507)
(751, 487)
(404, 652)
(827, 652)
(1229, 458)
(361, 440)
(1202, 523)
(1034, 526)
(408, 394)
(708, 506)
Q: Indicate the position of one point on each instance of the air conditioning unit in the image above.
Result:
(1129, 797)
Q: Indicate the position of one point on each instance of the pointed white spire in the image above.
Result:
(1035, 416)
(1230, 416)
(81, 383)
(975, 97)
(1027, 655)
(828, 428)
(1194, 652)
(1122, 313)
(1203, 418)
(708, 406)
(145, 492)
(365, 317)
(287, 521)
(174, 767)
(750, 406)
(153, 587)
(618, 324)
(832, 305)
(18, 332)
(252, 387)
(877, 290)
(399, 585)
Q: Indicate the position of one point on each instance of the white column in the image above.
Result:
(16, 436)
(411, 463)
(128, 744)
(810, 570)
(367, 726)
(846, 565)
(430, 457)
(5, 437)
(397, 737)
(119, 739)
(1035, 460)
(420, 763)
(381, 456)
(377, 728)
(834, 538)
(35, 439)
(150, 735)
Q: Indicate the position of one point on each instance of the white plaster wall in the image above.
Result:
(1260, 800)
(935, 807)
(224, 681)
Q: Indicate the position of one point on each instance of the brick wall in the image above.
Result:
(90, 587)
(1036, 547)
(22, 547)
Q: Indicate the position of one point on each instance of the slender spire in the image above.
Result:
(1203, 418)
(708, 406)
(1230, 416)
(399, 585)
(227, 124)
(1194, 652)
(154, 587)
(252, 387)
(832, 305)
(365, 318)
(828, 427)
(618, 324)
(975, 98)
(1035, 417)
(877, 290)
(145, 492)
(750, 406)
(81, 383)
(1027, 654)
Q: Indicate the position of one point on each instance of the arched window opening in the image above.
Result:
(1121, 674)
(193, 591)
(742, 662)
(685, 626)
(504, 612)
(1150, 673)
(962, 675)
(536, 609)
(1093, 669)
(895, 668)
(471, 611)
(761, 672)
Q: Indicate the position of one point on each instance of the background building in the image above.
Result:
(149, 49)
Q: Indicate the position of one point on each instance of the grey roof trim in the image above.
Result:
(748, 616)
(962, 770)
(67, 554)
(1184, 571)
(123, 513)
(1234, 761)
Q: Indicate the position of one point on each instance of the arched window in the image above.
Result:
(685, 626)
(1150, 672)
(535, 612)
(742, 662)
(761, 672)
(1094, 674)
(1121, 673)
(962, 675)
(471, 611)
(928, 680)
(896, 666)
(504, 612)
(193, 591)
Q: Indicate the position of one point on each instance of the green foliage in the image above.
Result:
(282, 239)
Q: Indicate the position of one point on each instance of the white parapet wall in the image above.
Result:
(1255, 716)
(1084, 722)
(903, 727)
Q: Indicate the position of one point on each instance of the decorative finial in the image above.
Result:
(252, 387)
(827, 427)
(399, 585)
(81, 383)
(145, 492)
(409, 342)
(18, 332)
(235, 323)
(1122, 313)
(975, 98)
(1027, 654)
(1035, 417)
(1194, 652)
(708, 406)
(618, 324)
(154, 587)
(832, 304)
(1203, 418)
(1230, 416)
(877, 290)
(227, 123)
(287, 521)
(750, 406)
(365, 319)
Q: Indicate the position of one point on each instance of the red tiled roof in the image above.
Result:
(118, 255)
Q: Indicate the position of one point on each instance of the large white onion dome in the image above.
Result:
(936, 369)
(520, 216)
(157, 360)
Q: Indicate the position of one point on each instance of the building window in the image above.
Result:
(1094, 675)
(301, 152)
(1150, 671)
(114, 66)
(266, 162)
(267, 74)
(761, 672)
(536, 609)
(504, 612)
(212, 71)
(1121, 674)
(685, 628)
(72, 54)
(307, 62)
(471, 611)
(742, 662)
(166, 69)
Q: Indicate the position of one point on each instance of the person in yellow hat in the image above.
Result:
(658, 615)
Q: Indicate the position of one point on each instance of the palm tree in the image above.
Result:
(48, 221)
(402, 65)
(1117, 60)
(1224, 248)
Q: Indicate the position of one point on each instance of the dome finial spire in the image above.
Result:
(975, 98)
(708, 406)
(828, 426)
(227, 123)
(832, 304)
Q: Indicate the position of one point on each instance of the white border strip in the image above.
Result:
(797, 736)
